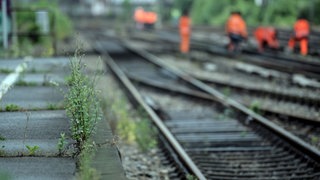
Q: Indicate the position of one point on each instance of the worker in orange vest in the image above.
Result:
(301, 33)
(266, 38)
(185, 32)
(236, 29)
(138, 17)
(150, 18)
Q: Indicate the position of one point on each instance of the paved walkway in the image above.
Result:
(32, 118)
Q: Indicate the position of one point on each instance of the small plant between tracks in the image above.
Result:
(82, 104)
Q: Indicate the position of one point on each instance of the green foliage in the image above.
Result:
(145, 135)
(315, 140)
(32, 149)
(86, 172)
(243, 133)
(183, 4)
(12, 107)
(131, 131)
(191, 177)
(6, 71)
(82, 103)
(51, 106)
(26, 23)
(275, 12)
(24, 83)
(61, 143)
(255, 107)
(63, 23)
(125, 126)
(127, 10)
(226, 91)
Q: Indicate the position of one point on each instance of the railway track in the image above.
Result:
(285, 63)
(294, 108)
(242, 146)
(269, 88)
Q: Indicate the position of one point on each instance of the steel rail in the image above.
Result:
(203, 95)
(311, 151)
(281, 63)
(164, 130)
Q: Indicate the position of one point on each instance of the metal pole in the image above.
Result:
(4, 24)
(54, 34)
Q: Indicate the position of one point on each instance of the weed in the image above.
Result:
(2, 152)
(24, 83)
(53, 106)
(226, 91)
(33, 70)
(61, 143)
(315, 140)
(32, 149)
(255, 107)
(86, 171)
(82, 104)
(126, 127)
(12, 107)
(191, 177)
(2, 138)
(243, 133)
(6, 71)
(145, 135)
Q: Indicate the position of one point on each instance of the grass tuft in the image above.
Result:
(12, 107)
(6, 71)
(82, 103)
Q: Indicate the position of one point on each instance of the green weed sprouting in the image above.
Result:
(52, 106)
(126, 127)
(32, 149)
(6, 71)
(145, 135)
(82, 104)
(191, 177)
(86, 171)
(255, 106)
(12, 107)
(61, 143)
(25, 83)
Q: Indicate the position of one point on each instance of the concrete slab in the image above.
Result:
(10, 64)
(41, 79)
(39, 64)
(33, 97)
(34, 124)
(107, 163)
(49, 65)
(46, 147)
(34, 168)
(2, 76)
(106, 159)
(34, 128)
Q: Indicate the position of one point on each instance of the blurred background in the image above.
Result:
(45, 23)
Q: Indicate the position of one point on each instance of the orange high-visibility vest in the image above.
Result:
(268, 35)
(150, 17)
(301, 28)
(184, 25)
(236, 25)
(138, 15)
